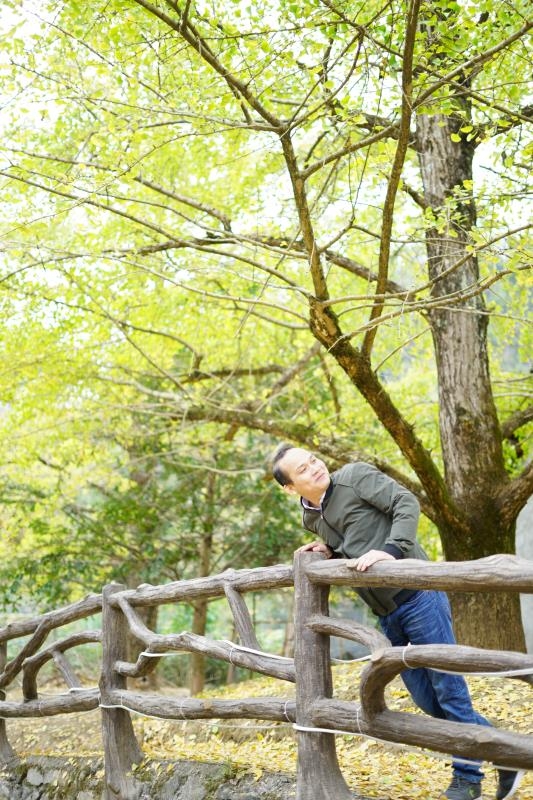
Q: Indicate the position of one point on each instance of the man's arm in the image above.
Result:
(400, 505)
(362, 564)
(397, 502)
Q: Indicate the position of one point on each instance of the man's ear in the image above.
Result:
(289, 488)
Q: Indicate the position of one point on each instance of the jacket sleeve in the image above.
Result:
(394, 500)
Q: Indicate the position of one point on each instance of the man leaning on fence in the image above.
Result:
(361, 513)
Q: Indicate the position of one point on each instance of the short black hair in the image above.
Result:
(279, 454)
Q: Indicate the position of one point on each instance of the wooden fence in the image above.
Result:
(317, 715)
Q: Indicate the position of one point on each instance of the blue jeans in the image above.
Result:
(426, 619)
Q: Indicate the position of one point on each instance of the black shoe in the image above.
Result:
(508, 782)
(461, 789)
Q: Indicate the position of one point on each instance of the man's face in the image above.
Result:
(308, 475)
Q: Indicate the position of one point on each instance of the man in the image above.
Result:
(361, 513)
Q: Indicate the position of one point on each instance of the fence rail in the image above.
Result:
(317, 715)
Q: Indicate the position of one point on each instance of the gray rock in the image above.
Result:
(34, 777)
(47, 778)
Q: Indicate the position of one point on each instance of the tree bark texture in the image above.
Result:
(470, 435)
(489, 585)
(269, 708)
(499, 573)
(241, 617)
(32, 664)
(242, 580)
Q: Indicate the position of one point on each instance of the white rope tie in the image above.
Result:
(233, 647)
(162, 655)
(304, 729)
(74, 689)
(399, 746)
(403, 655)
(509, 673)
(506, 673)
(256, 652)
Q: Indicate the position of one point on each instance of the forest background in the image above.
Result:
(223, 226)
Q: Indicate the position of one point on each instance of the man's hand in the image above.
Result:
(365, 561)
(316, 547)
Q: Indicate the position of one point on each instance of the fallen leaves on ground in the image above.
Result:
(373, 769)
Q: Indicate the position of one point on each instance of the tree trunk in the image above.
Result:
(469, 428)
(488, 620)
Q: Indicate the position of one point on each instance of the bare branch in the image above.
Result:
(213, 212)
(232, 372)
(290, 373)
(384, 133)
(449, 301)
(80, 200)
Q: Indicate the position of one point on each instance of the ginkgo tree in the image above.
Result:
(305, 219)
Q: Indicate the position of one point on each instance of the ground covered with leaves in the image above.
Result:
(373, 769)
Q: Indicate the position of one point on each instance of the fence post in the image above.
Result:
(318, 773)
(121, 749)
(6, 751)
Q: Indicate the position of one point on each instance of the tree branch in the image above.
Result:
(304, 215)
(231, 372)
(386, 133)
(212, 212)
(193, 38)
(396, 172)
(513, 497)
(516, 421)
(349, 264)
(338, 452)
(87, 201)
(469, 65)
(290, 373)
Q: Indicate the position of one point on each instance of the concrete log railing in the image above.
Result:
(317, 715)
(31, 658)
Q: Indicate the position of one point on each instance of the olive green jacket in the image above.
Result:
(363, 509)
